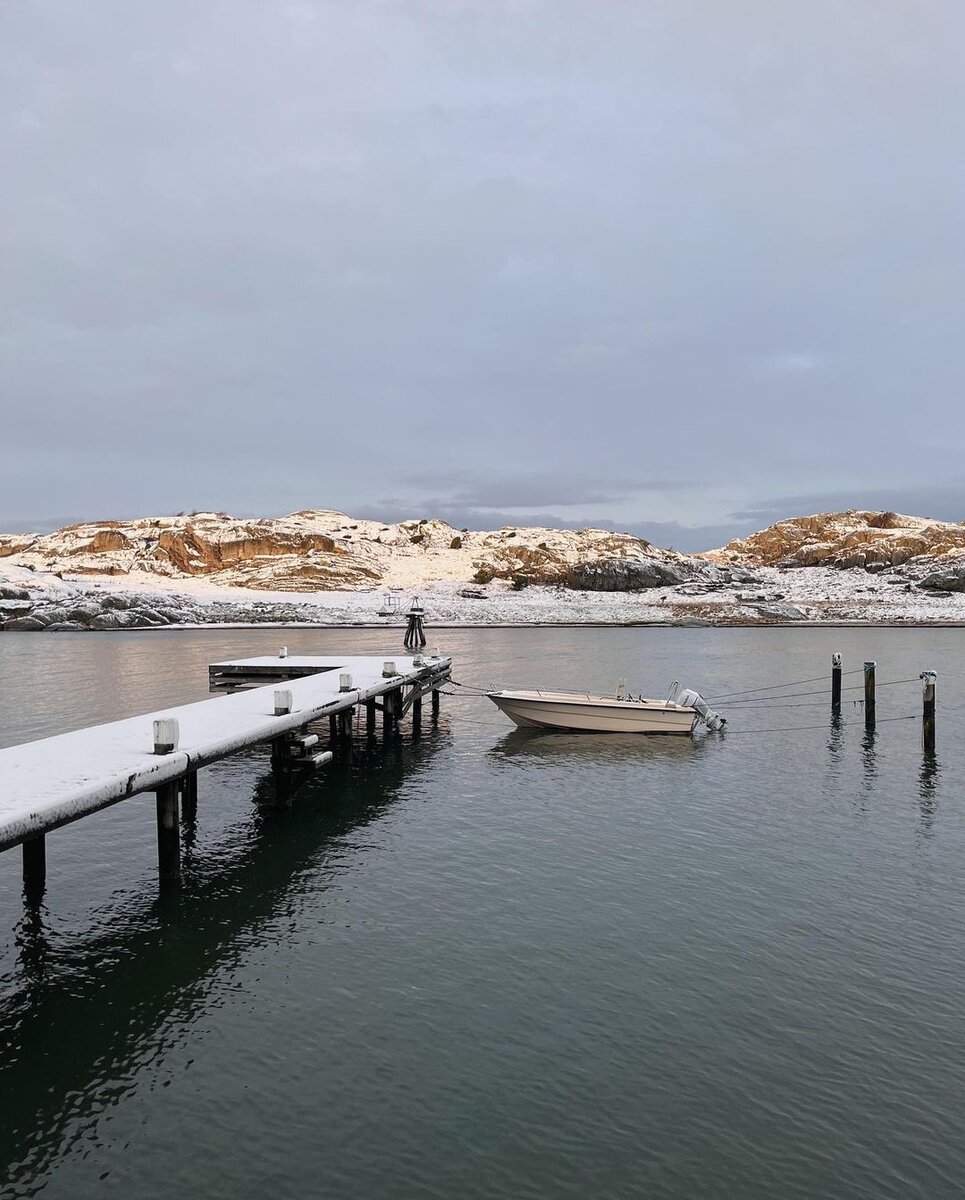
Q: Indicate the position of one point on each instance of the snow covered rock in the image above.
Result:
(950, 580)
(855, 538)
(781, 612)
(25, 624)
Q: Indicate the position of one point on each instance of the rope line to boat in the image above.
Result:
(856, 687)
(725, 733)
(774, 686)
(729, 732)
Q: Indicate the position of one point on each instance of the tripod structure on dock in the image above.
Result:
(415, 633)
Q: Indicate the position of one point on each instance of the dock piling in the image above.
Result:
(35, 865)
(189, 795)
(435, 705)
(370, 718)
(869, 695)
(835, 683)
(929, 681)
(168, 833)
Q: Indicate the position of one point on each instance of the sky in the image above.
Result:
(681, 267)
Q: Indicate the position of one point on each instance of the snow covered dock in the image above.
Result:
(51, 782)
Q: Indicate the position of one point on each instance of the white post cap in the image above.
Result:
(167, 734)
(283, 702)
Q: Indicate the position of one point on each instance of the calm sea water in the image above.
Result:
(496, 965)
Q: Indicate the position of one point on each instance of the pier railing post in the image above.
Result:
(929, 681)
(168, 833)
(835, 683)
(869, 695)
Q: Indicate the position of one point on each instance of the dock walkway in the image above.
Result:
(51, 782)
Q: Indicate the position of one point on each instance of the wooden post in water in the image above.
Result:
(345, 724)
(929, 681)
(168, 833)
(416, 716)
(35, 866)
(189, 795)
(835, 683)
(869, 695)
(435, 705)
(370, 718)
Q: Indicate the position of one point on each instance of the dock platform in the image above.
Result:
(51, 782)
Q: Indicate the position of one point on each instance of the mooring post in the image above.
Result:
(168, 833)
(35, 865)
(929, 681)
(869, 695)
(835, 683)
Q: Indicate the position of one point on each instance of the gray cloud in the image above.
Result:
(258, 257)
(943, 501)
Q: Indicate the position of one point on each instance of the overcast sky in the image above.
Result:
(683, 266)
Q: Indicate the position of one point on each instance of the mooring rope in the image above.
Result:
(774, 686)
(856, 687)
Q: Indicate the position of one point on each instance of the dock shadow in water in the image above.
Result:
(120, 985)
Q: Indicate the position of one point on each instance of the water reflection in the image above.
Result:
(591, 747)
(836, 737)
(61, 1044)
(928, 778)
(869, 759)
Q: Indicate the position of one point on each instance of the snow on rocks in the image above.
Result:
(855, 538)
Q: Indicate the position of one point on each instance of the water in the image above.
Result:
(493, 965)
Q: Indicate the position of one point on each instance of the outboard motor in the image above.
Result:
(688, 698)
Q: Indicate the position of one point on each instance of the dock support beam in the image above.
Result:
(835, 683)
(370, 718)
(416, 716)
(435, 705)
(869, 695)
(35, 866)
(168, 833)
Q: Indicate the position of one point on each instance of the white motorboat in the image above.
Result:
(590, 713)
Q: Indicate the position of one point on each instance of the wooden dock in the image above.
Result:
(57, 780)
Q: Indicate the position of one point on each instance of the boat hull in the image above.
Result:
(593, 714)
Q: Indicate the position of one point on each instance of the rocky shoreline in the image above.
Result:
(915, 593)
(322, 568)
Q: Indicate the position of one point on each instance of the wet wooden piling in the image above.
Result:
(869, 695)
(929, 681)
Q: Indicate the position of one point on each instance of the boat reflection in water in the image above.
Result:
(548, 746)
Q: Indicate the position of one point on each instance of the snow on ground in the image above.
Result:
(812, 594)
